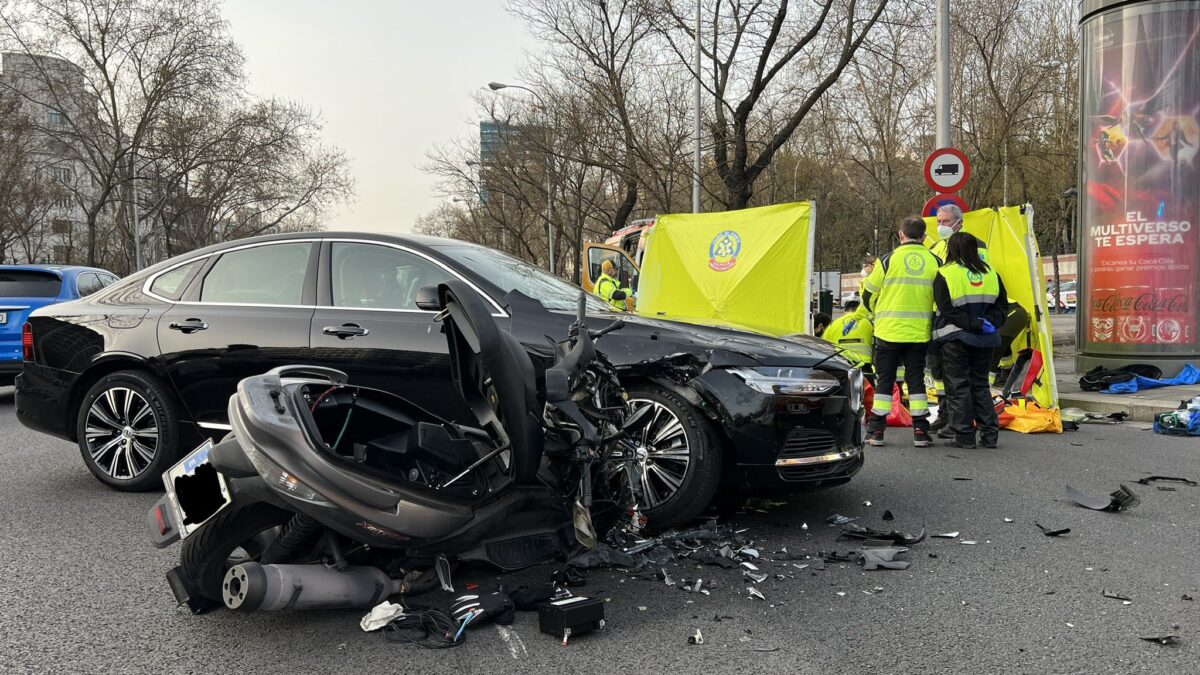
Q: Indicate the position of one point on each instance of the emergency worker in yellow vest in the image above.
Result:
(609, 289)
(855, 334)
(899, 292)
(949, 223)
(971, 303)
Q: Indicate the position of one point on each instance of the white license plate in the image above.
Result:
(196, 490)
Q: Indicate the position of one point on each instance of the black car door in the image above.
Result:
(368, 324)
(247, 311)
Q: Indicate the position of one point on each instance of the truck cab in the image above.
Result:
(626, 248)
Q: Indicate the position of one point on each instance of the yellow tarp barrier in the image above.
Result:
(746, 269)
(1013, 251)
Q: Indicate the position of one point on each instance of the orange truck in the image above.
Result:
(625, 249)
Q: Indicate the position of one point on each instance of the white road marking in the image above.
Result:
(515, 645)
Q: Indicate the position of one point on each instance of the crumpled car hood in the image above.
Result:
(795, 350)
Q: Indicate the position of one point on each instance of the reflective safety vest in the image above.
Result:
(976, 293)
(605, 287)
(939, 249)
(901, 287)
(855, 334)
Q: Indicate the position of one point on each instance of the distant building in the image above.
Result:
(52, 95)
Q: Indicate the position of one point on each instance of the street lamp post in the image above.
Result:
(497, 86)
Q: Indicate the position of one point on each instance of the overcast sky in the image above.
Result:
(391, 79)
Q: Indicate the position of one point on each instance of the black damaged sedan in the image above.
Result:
(138, 373)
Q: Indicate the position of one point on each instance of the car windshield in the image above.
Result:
(510, 274)
(29, 284)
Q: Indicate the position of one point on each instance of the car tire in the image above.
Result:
(128, 430)
(210, 551)
(702, 473)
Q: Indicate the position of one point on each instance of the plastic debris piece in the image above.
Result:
(696, 587)
(442, 565)
(887, 515)
(884, 558)
(756, 578)
(1120, 500)
(697, 639)
(946, 535)
(1187, 597)
(755, 594)
(895, 536)
(838, 519)
(866, 503)
(1161, 639)
(933, 555)
(804, 526)
(667, 578)
(1009, 520)
(799, 567)
(766, 649)
(744, 638)
(1115, 596)
(1150, 479)
(1053, 533)
(1164, 488)
(962, 478)
(1070, 625)
(380, 615)
(968, 542)
(750, 566)
(841, 594)
(748, 552)
(641, 608)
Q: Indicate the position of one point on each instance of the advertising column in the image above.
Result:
(1138, 236)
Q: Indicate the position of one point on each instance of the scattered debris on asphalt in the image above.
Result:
(697, 639)
(838, 519)
(1117, 596)
(887, 515)
(968, 542)
(1166, 479)
(962, 478)
(754, 593)
(884, 558)
(897, 537)
(1009, 520)
(380, 616)
(946, 535)
(1168, 640)
(1121, 499)
(1187, 597)
(1053, 533)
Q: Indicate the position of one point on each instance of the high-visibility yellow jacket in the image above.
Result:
(854, 334)
(899, 292)
(965, 299)
(606, 286)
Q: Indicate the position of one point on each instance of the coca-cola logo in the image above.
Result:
(1145, 302)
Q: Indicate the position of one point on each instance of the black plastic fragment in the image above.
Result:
(1168, 640)
(962, 478)
(895, 536)
(1115, 596)
(887, 515)
(1121, 499)
(1166, 479)
(1053, 533)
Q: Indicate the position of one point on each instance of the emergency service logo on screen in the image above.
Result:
(724, 250)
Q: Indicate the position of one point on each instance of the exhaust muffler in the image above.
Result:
(251, 587)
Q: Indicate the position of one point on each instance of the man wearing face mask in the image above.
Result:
(949, 223)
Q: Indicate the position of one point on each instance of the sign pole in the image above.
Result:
(942, 74)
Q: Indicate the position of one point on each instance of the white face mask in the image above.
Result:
(866, 272)
(944, 231)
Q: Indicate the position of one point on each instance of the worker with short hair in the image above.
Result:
(899, 292)
(609, 289)
(855, 334)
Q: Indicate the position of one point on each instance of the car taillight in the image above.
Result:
(27, 342)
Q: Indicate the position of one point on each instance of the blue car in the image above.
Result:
(24, 288)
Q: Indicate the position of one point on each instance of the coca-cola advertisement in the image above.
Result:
(1141, 97)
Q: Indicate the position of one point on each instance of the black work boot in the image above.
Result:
(921, 438)
(942, 421)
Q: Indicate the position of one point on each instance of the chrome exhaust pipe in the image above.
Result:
(251, 587)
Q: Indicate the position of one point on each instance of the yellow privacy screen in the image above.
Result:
(745, 269)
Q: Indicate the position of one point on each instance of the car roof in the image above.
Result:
(60, 270)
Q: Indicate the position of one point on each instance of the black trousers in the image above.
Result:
(968, 395)
(888, 358)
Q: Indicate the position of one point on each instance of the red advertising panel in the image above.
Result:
(1139, 240)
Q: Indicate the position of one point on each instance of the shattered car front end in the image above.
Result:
(790, 411)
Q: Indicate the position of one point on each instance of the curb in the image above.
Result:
(1140, 409)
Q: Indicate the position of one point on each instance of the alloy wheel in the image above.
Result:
(662, 450)
(121, 433)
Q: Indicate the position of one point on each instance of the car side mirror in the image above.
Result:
(428, 300)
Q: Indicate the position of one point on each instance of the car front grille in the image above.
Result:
(821, 472)
(806, 442)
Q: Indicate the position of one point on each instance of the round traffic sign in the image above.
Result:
(947, 170)
(938, 201)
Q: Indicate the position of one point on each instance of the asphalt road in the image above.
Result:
(83, 591)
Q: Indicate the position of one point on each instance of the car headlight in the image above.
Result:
(279, 479)
(794, 381)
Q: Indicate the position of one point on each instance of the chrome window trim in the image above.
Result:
(498, 313)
